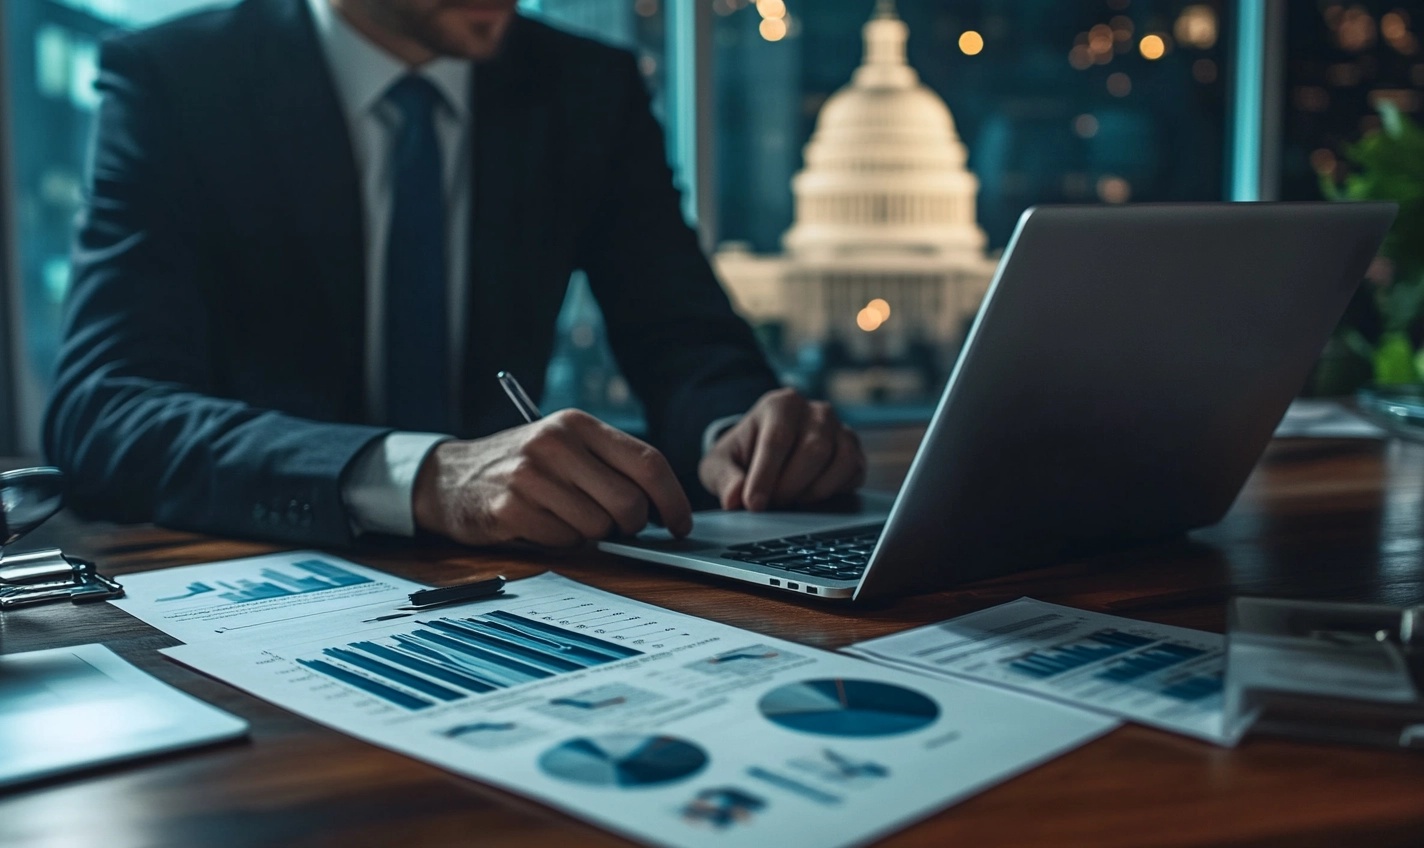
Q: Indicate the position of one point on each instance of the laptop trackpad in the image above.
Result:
(714, 529)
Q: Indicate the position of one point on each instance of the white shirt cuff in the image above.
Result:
(378, 487)
(715, 430)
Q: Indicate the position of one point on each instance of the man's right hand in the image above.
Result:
(559, 481)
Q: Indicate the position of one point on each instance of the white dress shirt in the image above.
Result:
(377, 489)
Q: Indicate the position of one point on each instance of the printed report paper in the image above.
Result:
(662, 726)
(1156, 674)
(264, 593)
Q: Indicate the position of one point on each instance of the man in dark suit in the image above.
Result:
(317, 228)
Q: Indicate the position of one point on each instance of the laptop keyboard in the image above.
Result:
(839, 554)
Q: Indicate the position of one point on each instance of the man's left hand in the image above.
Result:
(785, 451)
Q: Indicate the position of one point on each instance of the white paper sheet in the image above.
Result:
(662, 726)
(224, 600)
(1156, 674)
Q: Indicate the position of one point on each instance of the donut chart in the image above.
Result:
(842, 707)
(626, 760)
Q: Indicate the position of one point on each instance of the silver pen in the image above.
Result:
(521, 399)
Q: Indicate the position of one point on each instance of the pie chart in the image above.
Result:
(840, 707)
(626, 760)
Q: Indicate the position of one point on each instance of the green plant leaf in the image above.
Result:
(1394, 360)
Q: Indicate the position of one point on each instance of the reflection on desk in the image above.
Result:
(1320, 518)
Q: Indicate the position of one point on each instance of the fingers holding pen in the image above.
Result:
(558, 481)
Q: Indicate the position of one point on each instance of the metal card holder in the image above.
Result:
(28, 497)
(1337, 672)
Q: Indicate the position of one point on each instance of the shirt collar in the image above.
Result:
(364, 72)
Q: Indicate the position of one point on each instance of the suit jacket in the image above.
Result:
(212, 375)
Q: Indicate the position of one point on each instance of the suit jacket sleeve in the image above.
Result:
(689, 357)
(134, 419)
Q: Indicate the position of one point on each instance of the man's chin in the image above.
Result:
(474, 34)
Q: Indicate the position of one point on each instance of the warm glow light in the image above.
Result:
(1086, 126)
(971, 42)
(1119, 84)
(1080, 57)
(1114, 189)
(1152, 47)
(773, 29)
(1196, 27)
(868, 320)
(771, 8)
(1357, 30)
(1393, 25)
(1100, 39)
(880, 307)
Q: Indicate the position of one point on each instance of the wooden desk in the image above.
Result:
(1340, 520)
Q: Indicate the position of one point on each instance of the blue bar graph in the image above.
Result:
(380, 690)
(193, 590)
(319, 576)
(1194, 688)
(450, 659)
(1150, 661)
(405, 678)
(1072, 655)
(564, 637)
(430, 669)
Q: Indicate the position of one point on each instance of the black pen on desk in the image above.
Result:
(425, 599)
(522, 401)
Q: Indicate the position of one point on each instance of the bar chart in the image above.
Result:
(1193, 687)
(1096, 646)
(1150, 661)
(449, 659)
(315, 576)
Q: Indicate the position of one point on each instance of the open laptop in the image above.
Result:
(1125, 372)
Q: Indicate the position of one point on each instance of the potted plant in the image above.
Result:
(1385, 324)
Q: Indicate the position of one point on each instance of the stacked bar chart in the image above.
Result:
(1154, 659)
(449, 659)
(1196, 687)
(1092, 648)
(314, 576)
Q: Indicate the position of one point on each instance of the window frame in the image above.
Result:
(12, 349)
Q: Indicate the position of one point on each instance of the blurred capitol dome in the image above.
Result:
(884, 263)
(885, 168)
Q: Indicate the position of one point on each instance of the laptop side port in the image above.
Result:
(775, 582)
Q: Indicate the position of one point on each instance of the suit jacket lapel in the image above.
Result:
(305, 130)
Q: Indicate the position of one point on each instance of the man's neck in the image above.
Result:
(360, 15)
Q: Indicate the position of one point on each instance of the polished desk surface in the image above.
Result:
(1319, 519)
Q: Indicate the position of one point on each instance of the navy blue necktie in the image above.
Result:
(417, 378)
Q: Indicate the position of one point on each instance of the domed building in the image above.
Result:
(884, 264)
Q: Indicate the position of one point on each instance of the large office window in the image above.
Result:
(873, 158)
(1342, 59)
(1015, 102)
